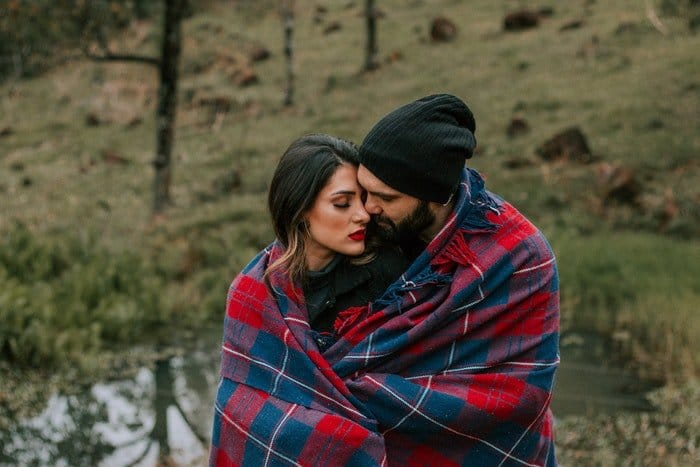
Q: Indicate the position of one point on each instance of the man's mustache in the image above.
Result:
(378, 219)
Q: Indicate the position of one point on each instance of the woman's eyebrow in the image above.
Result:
(343, 192)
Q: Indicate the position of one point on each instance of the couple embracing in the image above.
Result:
(404, 315)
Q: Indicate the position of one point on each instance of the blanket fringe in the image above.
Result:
(482, 203)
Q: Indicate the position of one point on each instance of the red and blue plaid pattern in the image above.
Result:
(453, 365)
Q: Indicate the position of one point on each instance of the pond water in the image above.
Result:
(166, 411)
(588, 383)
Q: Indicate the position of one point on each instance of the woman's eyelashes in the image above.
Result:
(343, 202)
(347, 199)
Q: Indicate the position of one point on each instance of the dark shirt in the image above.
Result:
(413, 247)
(317, 289)
(342, 285)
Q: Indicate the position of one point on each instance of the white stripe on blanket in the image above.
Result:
(407, 404)
(484, 367)
(253, 438)
(267, 365)
(541, 265)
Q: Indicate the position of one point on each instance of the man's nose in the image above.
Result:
(372, 206)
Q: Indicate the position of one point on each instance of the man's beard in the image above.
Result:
(409, 228)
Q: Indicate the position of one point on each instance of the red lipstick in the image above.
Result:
(358, 235)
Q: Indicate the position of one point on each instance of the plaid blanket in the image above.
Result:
(453, 365)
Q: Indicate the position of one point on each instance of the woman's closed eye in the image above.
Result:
(343, 200)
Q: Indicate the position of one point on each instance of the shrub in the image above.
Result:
(62, 298)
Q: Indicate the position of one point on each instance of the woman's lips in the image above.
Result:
(358, 236)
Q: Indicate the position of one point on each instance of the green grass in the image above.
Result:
(639, 288)
(622, 268)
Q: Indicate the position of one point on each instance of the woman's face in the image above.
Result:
(337, 219)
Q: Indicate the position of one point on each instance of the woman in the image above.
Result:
(283, 311)
(319, 218)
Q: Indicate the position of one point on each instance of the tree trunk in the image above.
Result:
(164, 398)
(167, 102)
(371, 62)
(288, 20)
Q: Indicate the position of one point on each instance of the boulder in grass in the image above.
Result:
(568, 145)
(135, 121)
(668, 211)
(517, 162)
(521, 20)
(259, 53)
(378, 13)
(570, 25)
(245, 77)
(110, 157)
(92, 119)
(443, 30)
(518, 126)
(618, 184)
(545, 12)
(394, 56)
(332, 27)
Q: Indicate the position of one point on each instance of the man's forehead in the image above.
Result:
(370, 182)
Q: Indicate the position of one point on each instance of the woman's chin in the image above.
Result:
(354, 250)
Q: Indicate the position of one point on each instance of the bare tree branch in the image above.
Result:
(132, 442)
(199, 436)
(106, 55)
(110, 57)
(143, 454)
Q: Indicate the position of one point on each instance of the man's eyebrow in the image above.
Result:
(383, 194)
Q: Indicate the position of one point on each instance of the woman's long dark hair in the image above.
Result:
(304, 169)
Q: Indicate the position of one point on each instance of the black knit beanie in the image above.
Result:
(420, 148)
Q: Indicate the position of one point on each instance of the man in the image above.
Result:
(412, 163)
(474, 338)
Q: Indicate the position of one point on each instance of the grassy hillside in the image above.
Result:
(77, 143)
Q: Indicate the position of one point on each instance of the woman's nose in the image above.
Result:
(361, 215)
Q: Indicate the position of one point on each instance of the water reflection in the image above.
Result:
(160, 417)
(163, 416)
